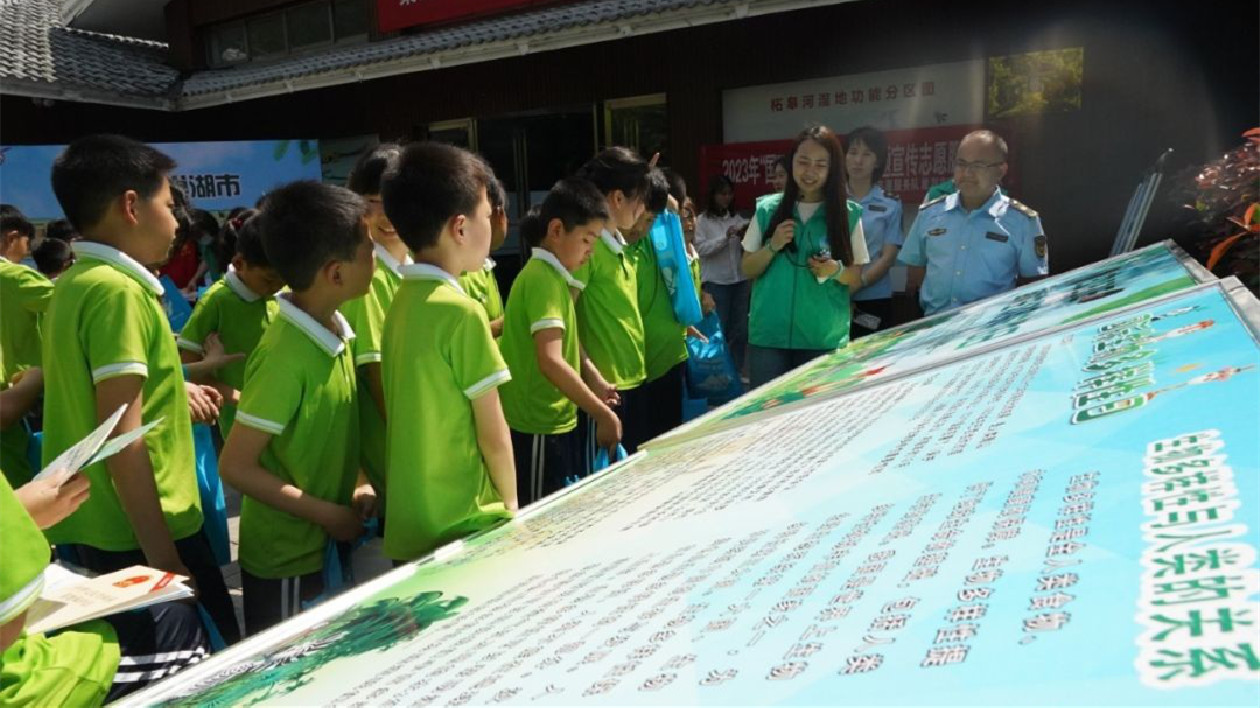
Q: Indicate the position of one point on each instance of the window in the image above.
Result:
(266, 36)
(296, 28)
(350, 19)
(309, 25)
(228, 45)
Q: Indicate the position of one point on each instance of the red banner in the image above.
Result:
(917, 159)
(393, 15)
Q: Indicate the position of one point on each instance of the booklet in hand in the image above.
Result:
(70, 599)
(95, 447)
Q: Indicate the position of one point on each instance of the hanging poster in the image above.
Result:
(917, 160)
(1070, 520)
(1058, 301)
(216, 176)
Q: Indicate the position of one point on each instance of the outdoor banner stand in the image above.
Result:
(1060, 512)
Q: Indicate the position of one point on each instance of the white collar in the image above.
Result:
(426, 271)
(390, 262)
(238, 286)
(489, 265)
(332, 344)
(614, 240)
(993, 205)
(550, 259)
(119, 260)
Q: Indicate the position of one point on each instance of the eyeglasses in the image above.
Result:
(964, 166)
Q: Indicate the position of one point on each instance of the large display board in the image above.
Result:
(1068, 519)
(1053, 303)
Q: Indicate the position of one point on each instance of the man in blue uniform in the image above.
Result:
(977, 241)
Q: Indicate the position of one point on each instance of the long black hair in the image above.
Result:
(716, 184)
(835, 194)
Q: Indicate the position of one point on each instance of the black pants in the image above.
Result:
(634, 424)
(197, 556)
(881, 308)
(271, 601)
(545, 464)
(154, 643)
(663, 399)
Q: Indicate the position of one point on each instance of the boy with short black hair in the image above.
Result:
(239, 309)
(294, 451)
(366, 314)
(52, 257)
(540, 345)
(480, 283)
(24, 295)
(610, 325)
(448, 451)
(107, 344)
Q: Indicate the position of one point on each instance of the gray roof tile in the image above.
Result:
(38, 47)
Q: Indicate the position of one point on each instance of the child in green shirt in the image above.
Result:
(448, 451)
(86, 664)
(540, 345)
(610, 325)
(366, 314)
(294, 451)
(480, 284)
(24, 295)
(107, 344)
(238, 308)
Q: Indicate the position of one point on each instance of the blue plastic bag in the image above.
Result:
(175, 304)
(602, 460)
(213, 507)
(671, 259)
(710, 369)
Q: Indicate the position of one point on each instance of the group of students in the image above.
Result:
(361, 364)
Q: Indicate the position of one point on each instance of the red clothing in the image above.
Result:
(183, 265)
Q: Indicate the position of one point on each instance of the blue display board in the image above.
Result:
(1070, 519)
(1053, 303)
(217, 176)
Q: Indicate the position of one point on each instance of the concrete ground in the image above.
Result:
(369, 561)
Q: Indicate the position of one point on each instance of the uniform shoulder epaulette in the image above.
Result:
(938, 200)
(1024, 209)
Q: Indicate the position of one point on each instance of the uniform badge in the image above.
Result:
(936, 232)
(877, 207)
(995, 236)
(1040, 244)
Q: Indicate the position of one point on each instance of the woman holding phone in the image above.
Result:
(804, 251)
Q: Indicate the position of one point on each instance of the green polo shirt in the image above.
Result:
(482, 286)
(540, 300)
(75, 667)
(366, 316)
(438, 357)
(105, 319)
(240, 316)
(665, 344)
(24, 295)
(610, 326)
(300, 387)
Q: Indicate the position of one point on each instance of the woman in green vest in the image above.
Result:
(803, 271)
